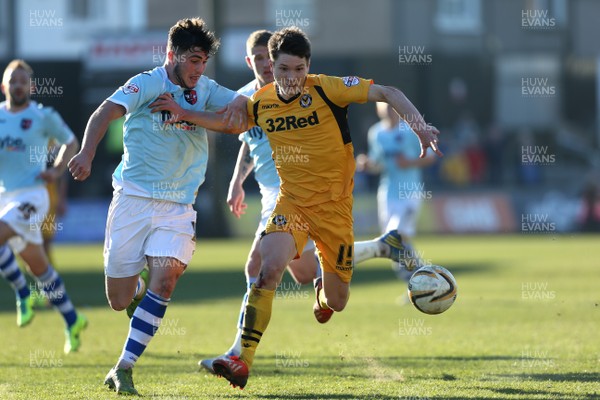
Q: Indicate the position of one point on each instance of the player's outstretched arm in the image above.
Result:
(232, 119)
(366, 164)
(427, 134)
(236, 194)
(236, 113)
(405, 162)
(80, 166)
(65, 153)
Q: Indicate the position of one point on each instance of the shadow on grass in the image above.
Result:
(86, 288)
(458, 358)
(381, 368)
(558, 377)
(378, 396)
(536, 393)
(314, 396)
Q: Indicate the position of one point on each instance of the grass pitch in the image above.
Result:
(524, 326)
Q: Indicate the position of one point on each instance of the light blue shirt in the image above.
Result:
(24, 144)
(164, 161)
(260, 148)
(384, 146)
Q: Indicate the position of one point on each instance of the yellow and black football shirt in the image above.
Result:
(309, 136)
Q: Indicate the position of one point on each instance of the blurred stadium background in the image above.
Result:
(512, 84)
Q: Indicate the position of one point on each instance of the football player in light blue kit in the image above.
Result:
(26, 129)
(394, 152)
(256, 155)
(151, 220)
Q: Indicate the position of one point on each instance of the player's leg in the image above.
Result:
(403, 219)
(389, 245)
(141, 286)
(306, 268)
(252, 269)
(335, 243)
(24, 215)
(9, 270)
(331, 290)
(119, 293)
(276, 250)
(127, 228)
(335, 292)
(49, 225)
(146, 319)
(168, 248)
(53, 288)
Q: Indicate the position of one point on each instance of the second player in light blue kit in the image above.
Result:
(394, 152)
(26, 129)
(151, 220)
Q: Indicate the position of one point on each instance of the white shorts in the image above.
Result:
(268, 200)
(400, 215)
(24, 211)
(137, 227)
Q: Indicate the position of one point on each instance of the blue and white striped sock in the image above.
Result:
(144, 324)
(9, 269)
(54, 289)
(236, 347)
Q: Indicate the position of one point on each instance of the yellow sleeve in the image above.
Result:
(346, 90)
(250, 107)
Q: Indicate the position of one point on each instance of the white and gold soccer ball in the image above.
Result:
(432, 289)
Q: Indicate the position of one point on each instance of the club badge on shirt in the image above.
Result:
(190, 96)
(305, 100)
(26, 123)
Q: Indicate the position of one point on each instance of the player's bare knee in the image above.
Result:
(271, 269)
(302, 277)
(266, 277)
(118, 303)
(253, 265)
(337, 302)
(336, 305)
(269, 277)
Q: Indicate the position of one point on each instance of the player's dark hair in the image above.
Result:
(189, 33)
(258, 38)
(289, 41)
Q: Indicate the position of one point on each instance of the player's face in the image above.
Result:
(188, 66)
(259, 62)
(290, 73)
(17, 87)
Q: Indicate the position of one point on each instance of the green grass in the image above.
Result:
(525, 326)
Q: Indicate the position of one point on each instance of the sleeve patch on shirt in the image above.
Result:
(350, 81)
(131, 88)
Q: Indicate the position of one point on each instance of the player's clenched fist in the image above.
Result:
(80, 166)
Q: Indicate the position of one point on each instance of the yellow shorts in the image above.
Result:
(330, 225)
(49, 225)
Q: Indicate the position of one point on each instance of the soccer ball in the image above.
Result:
(432, 289)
